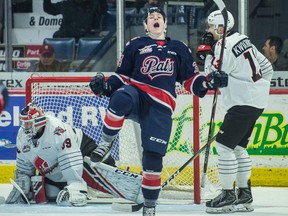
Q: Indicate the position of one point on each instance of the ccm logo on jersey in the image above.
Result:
(158, 140)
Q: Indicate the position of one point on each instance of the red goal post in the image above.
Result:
(70, 99)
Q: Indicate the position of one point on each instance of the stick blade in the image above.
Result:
(126, 207)
(20, 190)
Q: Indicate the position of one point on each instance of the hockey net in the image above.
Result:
(71, 100)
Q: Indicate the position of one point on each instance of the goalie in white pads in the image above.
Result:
(56, 150)
(245, 97)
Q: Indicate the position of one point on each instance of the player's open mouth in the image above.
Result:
(156, 25)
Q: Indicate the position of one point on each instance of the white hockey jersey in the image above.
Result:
(56, 154)
(249, 72)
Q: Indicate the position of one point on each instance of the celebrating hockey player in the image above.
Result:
(245, 97)
(3, 97)
(56, 150)
(143, 90)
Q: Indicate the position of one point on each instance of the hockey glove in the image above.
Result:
(206, 46)
(208, 39)
(203, 50)
(75, 194)
(216, 79)
(99, 86)
(24, 183)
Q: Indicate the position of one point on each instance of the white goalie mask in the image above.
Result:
(32, 118)
(216, 19)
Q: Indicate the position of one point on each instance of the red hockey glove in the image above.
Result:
(206, 46)
(99, 86)
(203, 50)
(216, 79)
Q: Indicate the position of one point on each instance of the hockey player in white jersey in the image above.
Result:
(245, 97)
(53, 148)
(55, 151)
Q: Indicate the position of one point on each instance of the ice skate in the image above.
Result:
(244, 199)
(223, 203)
(148, 211)
(102, 152)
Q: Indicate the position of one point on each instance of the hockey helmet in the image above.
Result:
(32, 118)
(216, 18)
(152, 10)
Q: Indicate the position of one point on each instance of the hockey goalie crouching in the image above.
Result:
(55, 151)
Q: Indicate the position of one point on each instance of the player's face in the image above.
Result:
(267, 49)
(216, 33)
(156, 24)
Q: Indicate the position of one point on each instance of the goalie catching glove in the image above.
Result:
(75, 194)
(206, 46)
(216, 79)
(99, 86)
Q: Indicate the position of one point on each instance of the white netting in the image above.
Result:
(73, 102)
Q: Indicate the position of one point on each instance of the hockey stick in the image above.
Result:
(20, 190)
(220, 4)
(137, 207)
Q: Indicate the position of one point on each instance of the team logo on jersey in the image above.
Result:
(58, 131)
(26, 148)
(43, 167)
(154, 67)
(146, 49)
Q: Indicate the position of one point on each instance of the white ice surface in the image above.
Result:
(267, 201)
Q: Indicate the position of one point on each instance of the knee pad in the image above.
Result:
(120, 103)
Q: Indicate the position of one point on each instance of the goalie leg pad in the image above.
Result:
(118, 182)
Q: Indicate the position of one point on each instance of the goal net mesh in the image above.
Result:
(71, 100)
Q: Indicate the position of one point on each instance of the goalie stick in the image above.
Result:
(220, 4)
(20, 190)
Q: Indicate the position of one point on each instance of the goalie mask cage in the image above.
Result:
(71, 100)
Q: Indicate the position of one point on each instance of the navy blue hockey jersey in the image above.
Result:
(154, 67)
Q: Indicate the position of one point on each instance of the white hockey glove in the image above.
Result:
(24, 183)
(74, 194)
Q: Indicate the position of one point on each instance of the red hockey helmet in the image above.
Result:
(32, 118)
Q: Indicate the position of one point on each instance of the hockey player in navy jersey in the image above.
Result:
(143, 89)
(245, 98)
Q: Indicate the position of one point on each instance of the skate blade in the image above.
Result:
(221, 210)
(244, 207)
